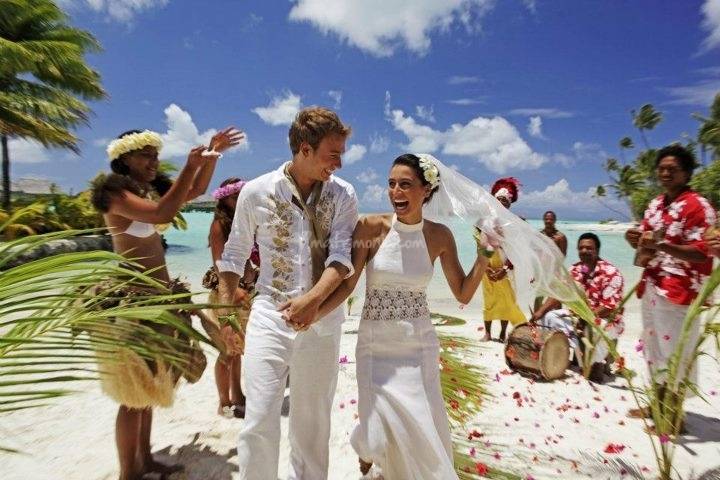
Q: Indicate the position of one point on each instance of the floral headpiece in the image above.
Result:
(430, 170)
(508, 187)
(229, 189)
(133, 141)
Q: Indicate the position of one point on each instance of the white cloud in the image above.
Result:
(368, 176)
(119, 10)
(543, 112)
(425, 113)
(182, 134)
(711, 23)
(701, 93)
(462, 79)
(534, 127)
(355, 153)
(379, 143)
(27, 151)
(281, 111)
(31, 184)
(589, 152)
(373, 195)
(380, 27)
(494, 142)
(560, 195)
(336, 95)
(465, 101)
(422, 138)
(531, 5)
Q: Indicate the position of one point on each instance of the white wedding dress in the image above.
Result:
(403, 422)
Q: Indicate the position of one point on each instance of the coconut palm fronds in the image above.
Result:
(464, 389)
(56, 323)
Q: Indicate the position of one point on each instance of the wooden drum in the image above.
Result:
(538, 351)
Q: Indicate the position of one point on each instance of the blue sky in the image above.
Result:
(538, 89)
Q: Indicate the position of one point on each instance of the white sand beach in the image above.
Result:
(555, 430)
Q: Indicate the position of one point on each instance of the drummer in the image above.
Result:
(603, 284)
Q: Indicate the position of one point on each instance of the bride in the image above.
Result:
(403, 422)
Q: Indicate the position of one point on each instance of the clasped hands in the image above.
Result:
(300, 312)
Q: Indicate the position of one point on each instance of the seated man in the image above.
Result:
(603, 285)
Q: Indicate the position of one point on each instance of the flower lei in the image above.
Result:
(133, 141)
(229, 189)
(430, 171)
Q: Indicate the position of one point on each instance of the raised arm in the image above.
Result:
(462, 286)
(220, 142)
(164, 210)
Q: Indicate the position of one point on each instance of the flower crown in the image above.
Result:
(133, 141)
(430, 171)
(229, 189)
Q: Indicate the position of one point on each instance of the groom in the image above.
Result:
(302, 218)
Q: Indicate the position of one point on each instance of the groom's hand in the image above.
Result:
(300, 312)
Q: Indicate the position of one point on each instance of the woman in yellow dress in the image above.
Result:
(498, 293)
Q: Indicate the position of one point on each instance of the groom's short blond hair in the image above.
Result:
(312, 124)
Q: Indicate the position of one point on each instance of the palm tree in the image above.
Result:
(625, 143)
(646, 119)
(709, 132)
(55, 324)
(44, 79)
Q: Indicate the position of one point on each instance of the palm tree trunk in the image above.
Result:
(5, 173)
(642, 134)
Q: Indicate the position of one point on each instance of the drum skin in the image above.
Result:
(538, 351)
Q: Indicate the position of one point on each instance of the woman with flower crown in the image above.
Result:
(137, 203)
(228, 366)
(404, 426)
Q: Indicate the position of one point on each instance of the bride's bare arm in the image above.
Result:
(364, 236)
(462, 286)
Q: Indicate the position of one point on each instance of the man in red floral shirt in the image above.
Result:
(603, 284)
(676, 260)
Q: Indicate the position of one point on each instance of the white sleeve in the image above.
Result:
(242, 237)
(341, 230)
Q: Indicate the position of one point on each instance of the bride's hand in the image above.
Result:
(225, 139)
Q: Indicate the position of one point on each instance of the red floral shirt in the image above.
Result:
(603, 286)
(685, 221)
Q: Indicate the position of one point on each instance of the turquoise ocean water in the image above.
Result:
(189, 256)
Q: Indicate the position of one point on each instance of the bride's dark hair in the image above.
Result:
(413, 161)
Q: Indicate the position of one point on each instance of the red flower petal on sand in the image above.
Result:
(666, 337)
(664, 438)
(472, 451)
(614, 448)
(481, 468)
(516, 395)
(497, 456)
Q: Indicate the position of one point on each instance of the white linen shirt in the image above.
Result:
(266, 214)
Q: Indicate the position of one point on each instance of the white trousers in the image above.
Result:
(272, 350)
(662, 327)
(562, 319)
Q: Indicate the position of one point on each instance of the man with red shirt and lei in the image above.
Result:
(603, 285)
(674, 253)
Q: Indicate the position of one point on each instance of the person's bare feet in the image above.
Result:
(364, 466)
(226, 411)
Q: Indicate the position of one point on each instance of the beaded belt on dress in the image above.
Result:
(386, 304)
